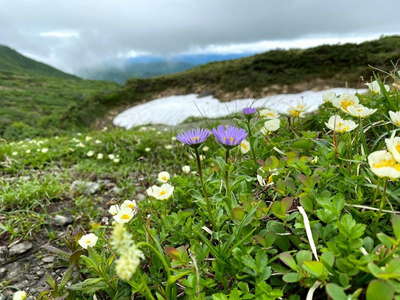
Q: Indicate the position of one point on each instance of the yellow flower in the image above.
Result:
(383, 164)
(336, 123)
(344, 101)
(395, 117)
(360, 111)
(88, 240)
(20, 295)
(124, 215)
(297, 111)
(244, 146)
(163, 177)
(269, 114)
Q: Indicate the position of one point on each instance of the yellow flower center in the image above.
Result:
(294, 112)
(397, 123)
(125, 217)
(346, 103)
(231, 139)
(398, 147)
(163, 192)
(387, 163)
(195, 138)
(131, 206)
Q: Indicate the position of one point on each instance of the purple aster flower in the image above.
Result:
(194, 136)
(229, 135)
(249, 110)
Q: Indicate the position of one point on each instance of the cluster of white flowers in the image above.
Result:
(129, 253)
(125, 212)
(164, 191)
(375, 87)
(349, 104)
(272, 124)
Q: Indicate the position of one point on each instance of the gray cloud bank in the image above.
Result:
(92, 31)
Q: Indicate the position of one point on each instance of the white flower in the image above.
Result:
(90, 153)
(116, 160)
(20, 295)
(81, 145)
(244, 146)
(297, 111)
(336, 123)
(88, 240)
(88, 138)
(344, 101)
(161, 193)
(205, 148)
(163, 177)
(131, 204)
(124, 215)
(44, 150)
(111, 156)
(97, 142)
(269, 114)
(395, 117)
(173, 138)
(270, 126)
(114, 209)
(186, 169)
(383, 164)
(147, 149)
(168, 147)
(14, 153)
(28, 151)
(261, 180)
(360, 111)
(100, 156)
(329, 97)
(202, 157)
(375, 88)
(393, 146)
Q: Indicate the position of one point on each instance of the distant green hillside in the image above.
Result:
(12, 61)
(259, 75)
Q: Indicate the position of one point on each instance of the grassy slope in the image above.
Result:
(12, 61)
(337, 65)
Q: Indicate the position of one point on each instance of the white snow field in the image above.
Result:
(175, 109)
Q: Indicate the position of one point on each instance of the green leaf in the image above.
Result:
(302, 256)
(380, 290)
(288, 260)
(291, 277)
(316, 268)
(335, 292)
(396, 226)
(328, 258)
(386, 240)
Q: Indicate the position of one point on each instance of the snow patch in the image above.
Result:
(175, 109)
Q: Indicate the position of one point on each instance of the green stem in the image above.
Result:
(251, 142)
(227, 186)
(200, 169)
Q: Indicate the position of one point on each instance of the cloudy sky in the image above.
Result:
(72, 34)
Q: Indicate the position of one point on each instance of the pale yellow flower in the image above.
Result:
(163, 192)
(111, 156)
(244, 146)
(124, 215)
(395, 117)
(88, 240)
(297, 111)
(168, 147)
(147, 149)
(383, 164)
(269, 114)
(20, 295)
(393, 146)
(360, 111)
(336, 123)
(205, 148)
(44, 150)
(90, 153)
(163, 177)
(270, 126)
(186, 169)
(344, 101)
(375, 88)
(100, 156)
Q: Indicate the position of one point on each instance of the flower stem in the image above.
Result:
(200, 169)
(227, 186)
(251, 141)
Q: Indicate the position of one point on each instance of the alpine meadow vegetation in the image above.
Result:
(258, 205)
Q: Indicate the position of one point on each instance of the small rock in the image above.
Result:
(20, 248)
(3, 272)
(3, 253)
(140, 197)
(62, 220)
(87, 187)
(48, 259)
(116, 190)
